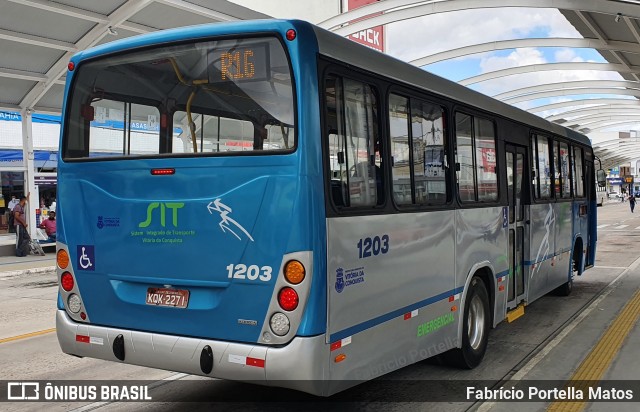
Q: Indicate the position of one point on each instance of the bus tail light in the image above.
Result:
(294, 272)
(288, 299)
(291, 34)
(74, 303)
(66, 281)
(279, 324)
(62, 258)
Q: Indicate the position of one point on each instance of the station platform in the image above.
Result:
(11, 264)
(8, 245)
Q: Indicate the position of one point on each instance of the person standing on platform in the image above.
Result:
(632, 202)
(10, 221)
(22, 236)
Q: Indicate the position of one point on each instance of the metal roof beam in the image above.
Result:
(82, 14)
(633, 28)
(135, 27)
(573, 115)
(597, 30)
(25, 75)
(620, 157)
(603, 118)
(14, 36)
(627, 47)
(94, 35)
(581, 102)
(612, 124)
(397, 10)
(575, 91)
(566, 85)
(63, 9)
(496, 74)
(194, 8)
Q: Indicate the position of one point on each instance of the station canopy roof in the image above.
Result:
(37, 38)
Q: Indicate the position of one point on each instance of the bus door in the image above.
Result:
(518, 236)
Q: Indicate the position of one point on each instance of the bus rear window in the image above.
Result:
(216, 97)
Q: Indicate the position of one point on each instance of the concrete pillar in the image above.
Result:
(29, 170)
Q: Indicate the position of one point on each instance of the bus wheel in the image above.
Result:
(475, 328)
(565, 289)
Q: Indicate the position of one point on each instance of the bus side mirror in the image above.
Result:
(601, 178)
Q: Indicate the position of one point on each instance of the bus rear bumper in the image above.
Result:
(300, 365)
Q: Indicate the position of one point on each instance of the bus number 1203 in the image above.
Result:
(252, 272)
(373, 247)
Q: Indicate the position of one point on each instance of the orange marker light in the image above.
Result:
(454, 308)
(501, 288)
(62, 259)
(294, 272)
(340, 358)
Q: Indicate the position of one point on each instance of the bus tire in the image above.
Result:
(475, 328)
(565, 289)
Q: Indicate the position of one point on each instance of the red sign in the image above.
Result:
(373, 37)
(489, 160)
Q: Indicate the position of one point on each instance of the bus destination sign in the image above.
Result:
(239, 64)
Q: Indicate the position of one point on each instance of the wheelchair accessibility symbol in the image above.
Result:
(86, 257)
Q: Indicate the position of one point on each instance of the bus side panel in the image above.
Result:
(542, 229)
(564, 234)
(386, 276)
(482, 242)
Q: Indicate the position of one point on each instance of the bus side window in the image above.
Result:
(476, 157)
(355, 168)
(578, 173)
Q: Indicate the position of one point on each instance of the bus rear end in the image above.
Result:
(185, 239)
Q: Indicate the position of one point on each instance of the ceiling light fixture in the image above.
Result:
(618, 17)
(113, 31)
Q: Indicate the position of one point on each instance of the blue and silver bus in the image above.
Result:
(266, 201)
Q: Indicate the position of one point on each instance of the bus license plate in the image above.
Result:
(176, 298)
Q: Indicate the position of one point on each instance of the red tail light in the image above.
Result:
(66, 280)
(161, 172)
(288, 299)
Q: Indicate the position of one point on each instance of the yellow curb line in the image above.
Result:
(598, 361)
(27, 335)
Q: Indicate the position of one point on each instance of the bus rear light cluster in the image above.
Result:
(66, 281)
(289, 287)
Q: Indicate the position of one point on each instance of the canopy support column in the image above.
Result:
(29, 170)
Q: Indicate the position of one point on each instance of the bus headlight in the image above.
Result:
(280, 324)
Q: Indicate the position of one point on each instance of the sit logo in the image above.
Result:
(163, 212)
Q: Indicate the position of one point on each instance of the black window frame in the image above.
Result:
(401, 92)
(475, 114)
(167, 146)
